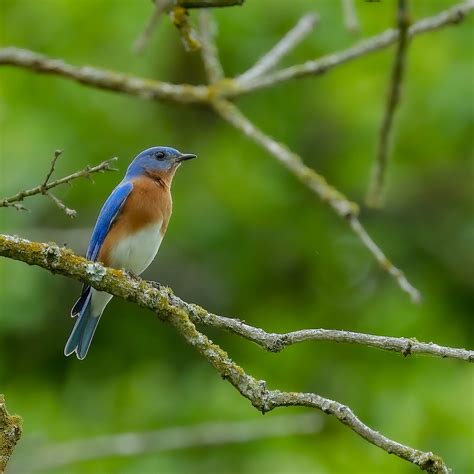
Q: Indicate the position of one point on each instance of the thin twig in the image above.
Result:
(451, 16)
(44, 188)
(168, 439)
(276, 342)
(383, 261)
(10, 433)
(351, 21)
(270, 60)
(67, 210)
(188, 94)
(209, 54)
(314, 181)
(118, 283)
(289, 159)
(379, 170)
(160, 6)
(148, 89)
(57, 154)
(189, 37)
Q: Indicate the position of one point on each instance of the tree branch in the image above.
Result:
(209, 53)
(184, 93)
(276, 342)
(452, 16)
(376, 186)
(13, 201)
(180, 17)
(351, 21)
(10, 433)
(316, 183)
(188, 94)
(270, 60)
(167, 439)
(161, 301)
(160, 6)
(342, 206)
(102, 79)
(178, 10)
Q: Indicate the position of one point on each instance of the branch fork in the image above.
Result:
(184, 317)
(46, 185)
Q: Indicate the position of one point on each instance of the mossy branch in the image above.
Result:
(182, 317)
(10, 433)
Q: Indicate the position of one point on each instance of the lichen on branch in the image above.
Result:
(182, 317)
(10, 433)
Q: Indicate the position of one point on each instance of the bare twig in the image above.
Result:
(276, 342)
(351, 20)
(160, 7)
(209, 54)
(377, 183)
(167, 439)
(10, 433)
(270, 60)
(136, 86)
(185, 94)
(289, 159)
(57, 154)
(314, 181)
(67, 210)
(451, 16)
(44, 188)
(383, 261)
(118, 283)
(189, 37)
(178, 9)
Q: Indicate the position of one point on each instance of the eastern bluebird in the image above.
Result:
(127, 234)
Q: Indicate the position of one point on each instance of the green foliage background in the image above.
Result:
(246, 239)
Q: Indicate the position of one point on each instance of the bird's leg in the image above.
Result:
(155, 284)
(131, 274)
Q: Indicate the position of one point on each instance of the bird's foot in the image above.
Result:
(155, 284)
(131, 274)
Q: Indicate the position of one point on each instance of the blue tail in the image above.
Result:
(81, 336)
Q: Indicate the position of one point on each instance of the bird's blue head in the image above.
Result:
(157, 159)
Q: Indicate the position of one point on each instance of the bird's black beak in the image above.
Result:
(186, 156)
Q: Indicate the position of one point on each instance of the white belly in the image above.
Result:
(136, 252)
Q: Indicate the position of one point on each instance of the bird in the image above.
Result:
(127, 233)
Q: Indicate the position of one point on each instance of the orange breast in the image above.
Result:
(148, 203)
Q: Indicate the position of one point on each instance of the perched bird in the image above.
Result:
(127, 234)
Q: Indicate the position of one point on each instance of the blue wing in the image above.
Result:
(108, 214)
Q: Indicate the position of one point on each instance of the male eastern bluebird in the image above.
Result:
(128, 233)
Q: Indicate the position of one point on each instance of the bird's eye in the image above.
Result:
(159, 155)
